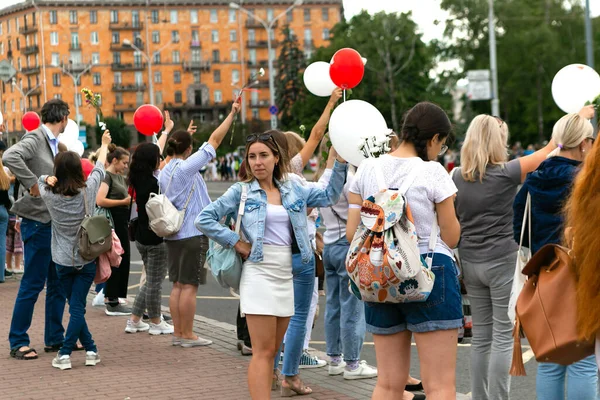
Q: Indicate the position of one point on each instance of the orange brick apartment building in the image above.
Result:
(201, 50)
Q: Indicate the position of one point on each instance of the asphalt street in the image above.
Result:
(217, 303)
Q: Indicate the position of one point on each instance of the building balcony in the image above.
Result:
(259, 104)
(132, 26)
(30, 50)
(195, 44)
(122, 87)
(75, 46)
(128, 66)
(32, 91)
(124, 107)
(73, 67)
(196, 66)
(30, 70)
(261, 44)
(259, 83)
(27, 29)
(251, 23)
(124, 47)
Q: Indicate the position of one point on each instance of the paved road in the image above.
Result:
(217, 303)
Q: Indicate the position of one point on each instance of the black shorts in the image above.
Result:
(186, 258)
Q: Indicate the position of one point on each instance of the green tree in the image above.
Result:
(289, 85)
(120, 133)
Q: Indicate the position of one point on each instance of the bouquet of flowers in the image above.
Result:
(93, 99)
(373, 147)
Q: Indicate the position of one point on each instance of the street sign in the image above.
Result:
(273, 121)
(7, 71)
(273, 110)
(478, 75)
(479, 90)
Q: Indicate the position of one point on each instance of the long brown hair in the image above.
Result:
(4, 178)
(282, 168)
(583, 216)
(68, 173)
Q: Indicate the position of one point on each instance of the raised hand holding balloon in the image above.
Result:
(347, 68)
(575, 86)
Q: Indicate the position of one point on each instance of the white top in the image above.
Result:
(278, 229)
(432, 186)
(335, 217)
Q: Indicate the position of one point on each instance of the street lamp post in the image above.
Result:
(24, 95)
(493, 62)
(269, 28)
(75, 80)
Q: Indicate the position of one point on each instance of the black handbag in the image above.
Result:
(132, 224)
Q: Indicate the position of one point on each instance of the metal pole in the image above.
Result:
(589, 51)
(493, 66)
(271, 80)
(75, 79)
(243, 65)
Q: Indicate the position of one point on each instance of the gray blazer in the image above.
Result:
(28, 160)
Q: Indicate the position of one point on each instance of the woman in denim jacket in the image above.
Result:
(274, 222)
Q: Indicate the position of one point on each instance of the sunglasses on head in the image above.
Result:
(263, 137)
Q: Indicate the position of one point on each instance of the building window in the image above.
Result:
(139, 98)
(116, 38)
(306, 14)
(135, 19)
(325, 14)
(54, 38)
(93, 17)
(94, 37)
(196, 75)
(18, 43)
(158, 98)
(96, 78)
(95, 58)
(252, 56)
(194, 16)
(216, 56)
(156, 58)
(118, 78)
(114, 16)
(269, 14)
(232, 35)
(235, 76)
(155, 37)
(139, 80)
(53, 20)
(1, 25)
(56, 79)
(75, 41)
(215, 36)
(176, 76)
(116, 57)
(325, 34)
(157, 77)
(176, 58)
(178, 97)
(1, 47)
(137, 58)
(18, 64)
(55, 59)
(234, 55)
(73, 17)
(217, 76)
(175, 36)
(307, 37)
(58, 96)
(118, 98)
(289, 15)
(154, 16)
(8, 26)
(196, 56)
(255, 113)
(214, 17)
(218, 96)
(173, 16)
(232, 15)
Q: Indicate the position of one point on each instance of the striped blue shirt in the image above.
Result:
(186, 174)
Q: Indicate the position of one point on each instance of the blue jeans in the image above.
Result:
(344, 315)
(39, 271)
(582, 383)
(3, 229)
(76, 283)
(304, 282)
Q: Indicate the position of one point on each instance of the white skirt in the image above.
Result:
(266, 287)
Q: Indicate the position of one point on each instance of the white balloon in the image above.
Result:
(573, 86)
(71, 133)
(351, 123)
(1, 118)
(77, 147)
(317, 79)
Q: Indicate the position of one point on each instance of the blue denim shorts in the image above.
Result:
(441, 311)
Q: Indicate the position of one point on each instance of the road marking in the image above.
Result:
(133, 286)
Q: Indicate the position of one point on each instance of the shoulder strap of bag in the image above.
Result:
(189, 196)
(242, 207)
(131, 204)
(170, 179)
(526, 221)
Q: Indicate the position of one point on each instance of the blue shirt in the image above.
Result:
(52, 139)
(185, 178)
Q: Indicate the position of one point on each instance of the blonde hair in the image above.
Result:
(4, 178)
(569, 132)
(295, 143)
(321, 161)
(485, 143)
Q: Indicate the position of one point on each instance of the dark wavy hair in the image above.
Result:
(144, 160)
(54, 111)
(422, 123)
(69, 174)
(178, 143)
(115, 152)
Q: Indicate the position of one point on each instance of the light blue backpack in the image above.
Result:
(225, 263)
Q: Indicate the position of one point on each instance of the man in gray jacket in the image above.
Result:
(31, 157)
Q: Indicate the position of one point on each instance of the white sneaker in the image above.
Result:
(363, 371)
(98, 299)
(61, 362)
(195, 343)
(91, 358)
(161, 328)
(122, 301)
(309, 361)
(132, 327)
(337, 369)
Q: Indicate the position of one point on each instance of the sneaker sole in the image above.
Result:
(62, 367)
(336, 373)
(355, 377)
(91, 363)
(135, 330)
(196, 344)
(312, 366)
(157, 333)
(116, 313)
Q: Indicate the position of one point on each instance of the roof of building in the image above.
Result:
(24, 5)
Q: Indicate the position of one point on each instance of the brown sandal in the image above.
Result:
(291, 390)
(275, 382)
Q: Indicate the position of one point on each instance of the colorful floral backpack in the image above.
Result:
(384, 261)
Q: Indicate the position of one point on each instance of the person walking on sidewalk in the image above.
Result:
(5, 205)
(69, 198)
(32, 157)
(144, 164)
(274, 222)
(113, 196)
(181, 181)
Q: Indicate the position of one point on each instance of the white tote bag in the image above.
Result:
(523, 257)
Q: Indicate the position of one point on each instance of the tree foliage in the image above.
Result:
(289, 85)
(120, 133)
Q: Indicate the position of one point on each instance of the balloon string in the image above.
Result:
(344, 91)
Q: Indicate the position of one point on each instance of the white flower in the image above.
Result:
(261, 72)
(102, 125)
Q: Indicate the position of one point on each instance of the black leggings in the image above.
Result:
(117, 284)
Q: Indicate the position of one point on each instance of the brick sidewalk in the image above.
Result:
(140, 366)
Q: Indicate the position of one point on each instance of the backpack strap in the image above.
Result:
(526, 221)
(241, 209)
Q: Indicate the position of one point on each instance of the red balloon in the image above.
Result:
(31, 121)
(87, 167)
(148, 119)
(347, 68)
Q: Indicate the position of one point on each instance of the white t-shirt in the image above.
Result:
(433, 185)
(278, 229)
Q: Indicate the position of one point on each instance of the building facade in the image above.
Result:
(188, 56)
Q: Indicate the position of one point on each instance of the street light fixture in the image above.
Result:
(25, 95)
(269, 28)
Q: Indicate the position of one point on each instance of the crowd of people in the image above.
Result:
(476, 211)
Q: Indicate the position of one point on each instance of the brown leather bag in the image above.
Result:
(546, 311)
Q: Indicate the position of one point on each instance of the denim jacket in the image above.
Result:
(295, 197)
